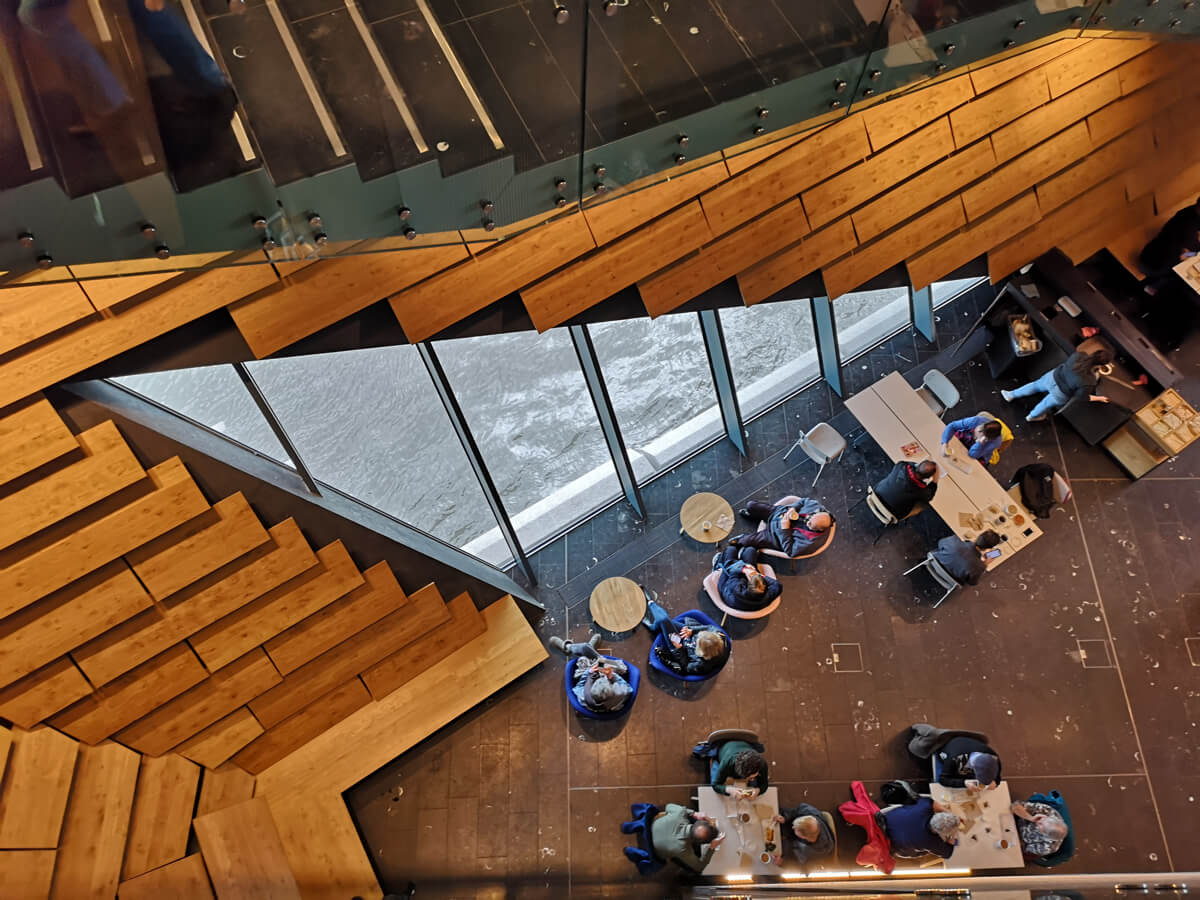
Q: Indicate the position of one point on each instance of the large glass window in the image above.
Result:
(369, 423)
(772, 351)
(528, 408)
(661, 386)
(214, 397)
(945, 291)
(865, 318)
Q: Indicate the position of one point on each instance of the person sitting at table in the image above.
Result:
(679, 833)
(599, 684)
(792, 529)
(688, 647)
(907, 486)
(742, 585)
(1075, 378)
(918, 829)
(1176, 241)
(1040, 828)
(964, 559)
(982, 435)
(806, 833)
(967, 762)
(735, 761)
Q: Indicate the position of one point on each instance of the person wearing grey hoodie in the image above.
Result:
(806, 832)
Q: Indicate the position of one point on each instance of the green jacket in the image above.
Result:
(725, 756)
(670, 835)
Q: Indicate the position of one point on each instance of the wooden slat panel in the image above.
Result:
(975, 240)
(38, 634)
(378, 596)
(1116, 156)
(1033, 128)
(5, 746)
(43, 693)
(889, 121)
(184, 879)
(444, 299)
(88, 866)
(1027, 170)
(1127, 245)
(808, 162)
(565, 294)
(106, 292)
(297, 730)
(1129, 112)
(108, 466)
(878, 256)
(256, 622)
(738, 160)
(132, 696)
(987, 113)
(424, 611)
(781, 270)
(162, 813)
(198, 605)
(1091, 61)
(994, 75)
(174, 561)
(1181, 187)
(223, 787)
(723, 258)
(1159, 62)
(244, 855)
(30, 437)
(59, 358)
(464, 626)
(920, 192)
(175, 500)
(28, 313)
(26, 874)
(196, 709)
(37, 782)
(613, 218)
(220, 740)
(333, 289)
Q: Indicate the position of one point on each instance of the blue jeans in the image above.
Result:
(177, 45)
(1054, 400)
(100, 90)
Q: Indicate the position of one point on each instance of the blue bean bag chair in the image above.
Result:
(643, 856)
(634, 679)
(1067, 850)
(660, 666)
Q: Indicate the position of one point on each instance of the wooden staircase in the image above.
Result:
(158, 651)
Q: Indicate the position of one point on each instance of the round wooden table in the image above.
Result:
(700, 509)
(617, 604)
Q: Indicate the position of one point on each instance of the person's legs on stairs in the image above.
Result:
(177, 45)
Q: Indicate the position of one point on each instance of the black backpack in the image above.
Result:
(898, 792)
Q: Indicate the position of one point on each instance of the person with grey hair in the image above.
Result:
(918, 829)
(1040, 828)
(598, 683)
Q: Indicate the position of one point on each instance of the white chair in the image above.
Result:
(937, 392)
(886, 517)
(822, 443)
(940, 575)
(711, 587)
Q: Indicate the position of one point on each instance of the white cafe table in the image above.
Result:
(741, 853)
(1189, 271)
(990, 840)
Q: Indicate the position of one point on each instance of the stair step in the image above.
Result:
(297, 730)
(37, 783)
(223, 738)
(162, 813)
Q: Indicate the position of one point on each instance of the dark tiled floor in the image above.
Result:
(521, 798)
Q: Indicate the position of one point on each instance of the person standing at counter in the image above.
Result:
(1075, 378)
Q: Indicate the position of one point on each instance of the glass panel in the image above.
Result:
(865, 318)
(945, 291)
(369, 423)
(214, 397)
(661, 387)
(530, 413)
(772, 351)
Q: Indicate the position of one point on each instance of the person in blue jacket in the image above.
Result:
(920, 828)
(742, 585)
(793, 529)
(980, 434)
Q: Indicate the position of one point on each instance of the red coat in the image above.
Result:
(861, 811)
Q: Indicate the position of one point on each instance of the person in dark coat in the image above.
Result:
(792, 529)
(742, 585)
(964, 559)
(908, 485)
(689, 647)
(805, 832)
(1075, 378)
(1175, 242)
(967, 762)
(920, 828)
(739, 761)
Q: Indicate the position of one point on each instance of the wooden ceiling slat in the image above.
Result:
(1027, 170)
(1035, 127)
(1114, 157)
(611, 219)
(974, 240)
(803, 258)
(888, 122)
(1090, 61)
(999, 107)
(992, 76)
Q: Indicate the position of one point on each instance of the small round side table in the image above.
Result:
(705, 508)
(617, 605)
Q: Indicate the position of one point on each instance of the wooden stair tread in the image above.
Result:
(26, 874)
(169, 563)
(424, 610)
(162, 813)
(379, 595)
(244, 855)
(108, 466)
(175, 500)
(464, 626)
(41, 694)
(106, 292)
(184, 879)
(29, 313)
(30, 437)
(198, 605)
(37, 782)
(224, 786)
(297, 730)
(222, 739)
(88, 864)
(261, 619)
(5, 746)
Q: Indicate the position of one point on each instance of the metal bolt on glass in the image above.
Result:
(762, 112)
(949, 48)
(758, 129)
(45, 260)
(25, 238)
(314, 220)
(835, 104)
(560, 201)
(561, 14)
(489, 225)
(321, 238)
(682, 140)
(148, 230)
(268, 243)
(259, 222)
(600, 171)
(680, 159)
(404, 213)
(839, 85)
(874, 74)
(162, 251)
(600, 188)
(560, 185)
(487, 206)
